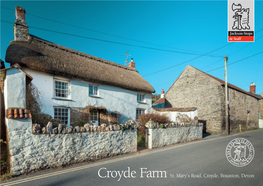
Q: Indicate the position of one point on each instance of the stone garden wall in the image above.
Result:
(34, 148)
(168, 134)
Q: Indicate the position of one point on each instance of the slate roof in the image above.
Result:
(187, 109)
(161, 100)
(258, 95)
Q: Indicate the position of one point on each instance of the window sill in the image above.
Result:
(63, 99)
(94, 96)
(141, 102)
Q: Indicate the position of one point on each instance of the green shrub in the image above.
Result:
(123, 128)
(43, 119)
(144, 118)
(6, 176)
(141, 140)
(80, 123)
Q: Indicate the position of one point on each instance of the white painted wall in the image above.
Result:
(260, 123)
(15, 89)
(113, 98)
(173, 114)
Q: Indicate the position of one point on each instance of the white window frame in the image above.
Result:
(92, 119)
(94, 95)
(142, 111)
(68, 123)
(54, 88)
(141, 100)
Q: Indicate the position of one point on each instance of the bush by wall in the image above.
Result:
(144, 118)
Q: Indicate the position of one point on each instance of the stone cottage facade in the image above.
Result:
(74, 85)
(252, 89)
(194, 88)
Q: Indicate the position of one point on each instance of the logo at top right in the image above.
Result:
(240, 20)
(241, 17)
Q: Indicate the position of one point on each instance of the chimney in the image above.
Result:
(20, 26)
(252, 88)
(132, 64)
(162, 93)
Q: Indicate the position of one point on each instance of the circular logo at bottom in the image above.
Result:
(240, 152)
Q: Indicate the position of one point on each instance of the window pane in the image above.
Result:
(91, 90)
(61, 114)
(61, 89)
(95, 90)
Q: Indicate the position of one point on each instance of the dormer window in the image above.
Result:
(140, 97)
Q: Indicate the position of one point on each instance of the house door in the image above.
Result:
(94, 117)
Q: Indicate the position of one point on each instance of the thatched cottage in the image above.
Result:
(195, 88)
(73, 85)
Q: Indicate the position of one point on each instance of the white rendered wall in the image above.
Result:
(15, 89)
(173, 114)
(260, 123)
(112, 98)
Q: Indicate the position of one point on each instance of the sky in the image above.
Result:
(165, 36)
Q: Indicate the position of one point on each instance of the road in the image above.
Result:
(193, 163)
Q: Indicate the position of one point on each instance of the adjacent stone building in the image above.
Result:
(194, 88)
(252, 89)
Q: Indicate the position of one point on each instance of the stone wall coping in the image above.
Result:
(153, 125)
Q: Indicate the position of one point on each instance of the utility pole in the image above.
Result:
(226, 97)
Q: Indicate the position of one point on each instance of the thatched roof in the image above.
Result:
(91, 107)
(42, 55)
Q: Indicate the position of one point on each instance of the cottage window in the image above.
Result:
(139, 112)
(62, 114)
(61, 89)
(93, 90)
(140, 98)
(94, 117)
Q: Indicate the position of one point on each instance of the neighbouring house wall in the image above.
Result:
(193, 89)
(15, 89)
(112, 98)
(2, 117)
(168, 136)
(261, 109)
(260, 125)
(38, 151)
(240, 104)
(173, 114)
